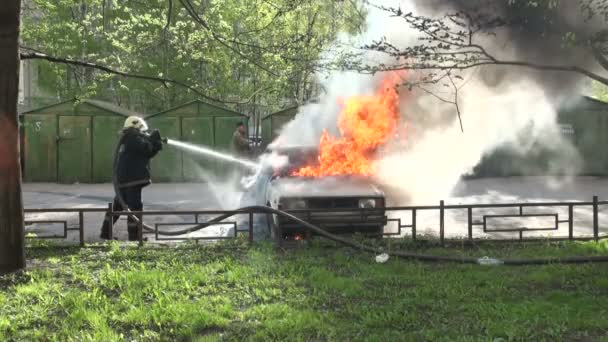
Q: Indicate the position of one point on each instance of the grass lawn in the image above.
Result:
(236, 292)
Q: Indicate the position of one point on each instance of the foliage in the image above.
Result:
(239, 48)
(600, 91)
(547, 35)
(233, 292)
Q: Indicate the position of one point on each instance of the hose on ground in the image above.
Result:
(348, 242)
(418, 256)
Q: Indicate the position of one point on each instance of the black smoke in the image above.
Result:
(545, 32)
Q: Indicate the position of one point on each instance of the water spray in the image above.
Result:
(197, 149)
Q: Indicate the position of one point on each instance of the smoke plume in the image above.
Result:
(499, 106)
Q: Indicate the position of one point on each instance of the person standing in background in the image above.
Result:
(240, 142)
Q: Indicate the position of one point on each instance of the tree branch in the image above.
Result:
(449, 45)
(464, 66)
(192, 12)
(453, 102)
(456, 101)
(169, 14)
(163, 81)
(236, 45)
(575, 69)
(600, 57)
(434, 95)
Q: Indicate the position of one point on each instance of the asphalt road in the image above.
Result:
(197, 196)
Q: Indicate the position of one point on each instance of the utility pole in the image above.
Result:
(12, 237)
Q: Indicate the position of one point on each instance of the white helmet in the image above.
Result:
(136, 122)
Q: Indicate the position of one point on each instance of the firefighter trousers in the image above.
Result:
(132, 197)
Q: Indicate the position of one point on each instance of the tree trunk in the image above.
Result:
(12, 251)
(255, 111)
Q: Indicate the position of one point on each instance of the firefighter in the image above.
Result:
(133, 170)
(240, 143)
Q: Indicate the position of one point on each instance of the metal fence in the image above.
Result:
(483, 220)
(473, 219)
(79, 211)
(195, 214)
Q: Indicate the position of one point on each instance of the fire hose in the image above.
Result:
(348, 242)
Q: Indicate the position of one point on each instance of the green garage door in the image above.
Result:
(74, 149)
(167, 165)
(266, 131)
(589, 140)
(198, 131)
(224, 129)
(106, 132)
(278, 121)
(40, 147)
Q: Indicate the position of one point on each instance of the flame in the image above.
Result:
(365, 123)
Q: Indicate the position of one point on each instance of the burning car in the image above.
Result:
(330, 185)
(338, 204)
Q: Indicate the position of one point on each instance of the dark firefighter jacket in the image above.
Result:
(135, 152)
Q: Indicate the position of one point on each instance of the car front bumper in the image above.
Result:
(338, 221)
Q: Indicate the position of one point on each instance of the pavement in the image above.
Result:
(519, 190)
(203, 196)
(174, 196)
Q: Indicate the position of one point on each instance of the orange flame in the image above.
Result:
(365, 123)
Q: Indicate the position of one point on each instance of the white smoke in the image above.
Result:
(516, 110)
(435, 158)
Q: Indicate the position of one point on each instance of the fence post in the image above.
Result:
(570, 222)
(250, 227)
(595, 219)
(140, 229)
(111, 223)
(81, 227)
(470, 222)
(308, 231)
(279, 236)
(414, 224)
(441, 222)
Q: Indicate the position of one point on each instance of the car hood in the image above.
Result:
(338, 186)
